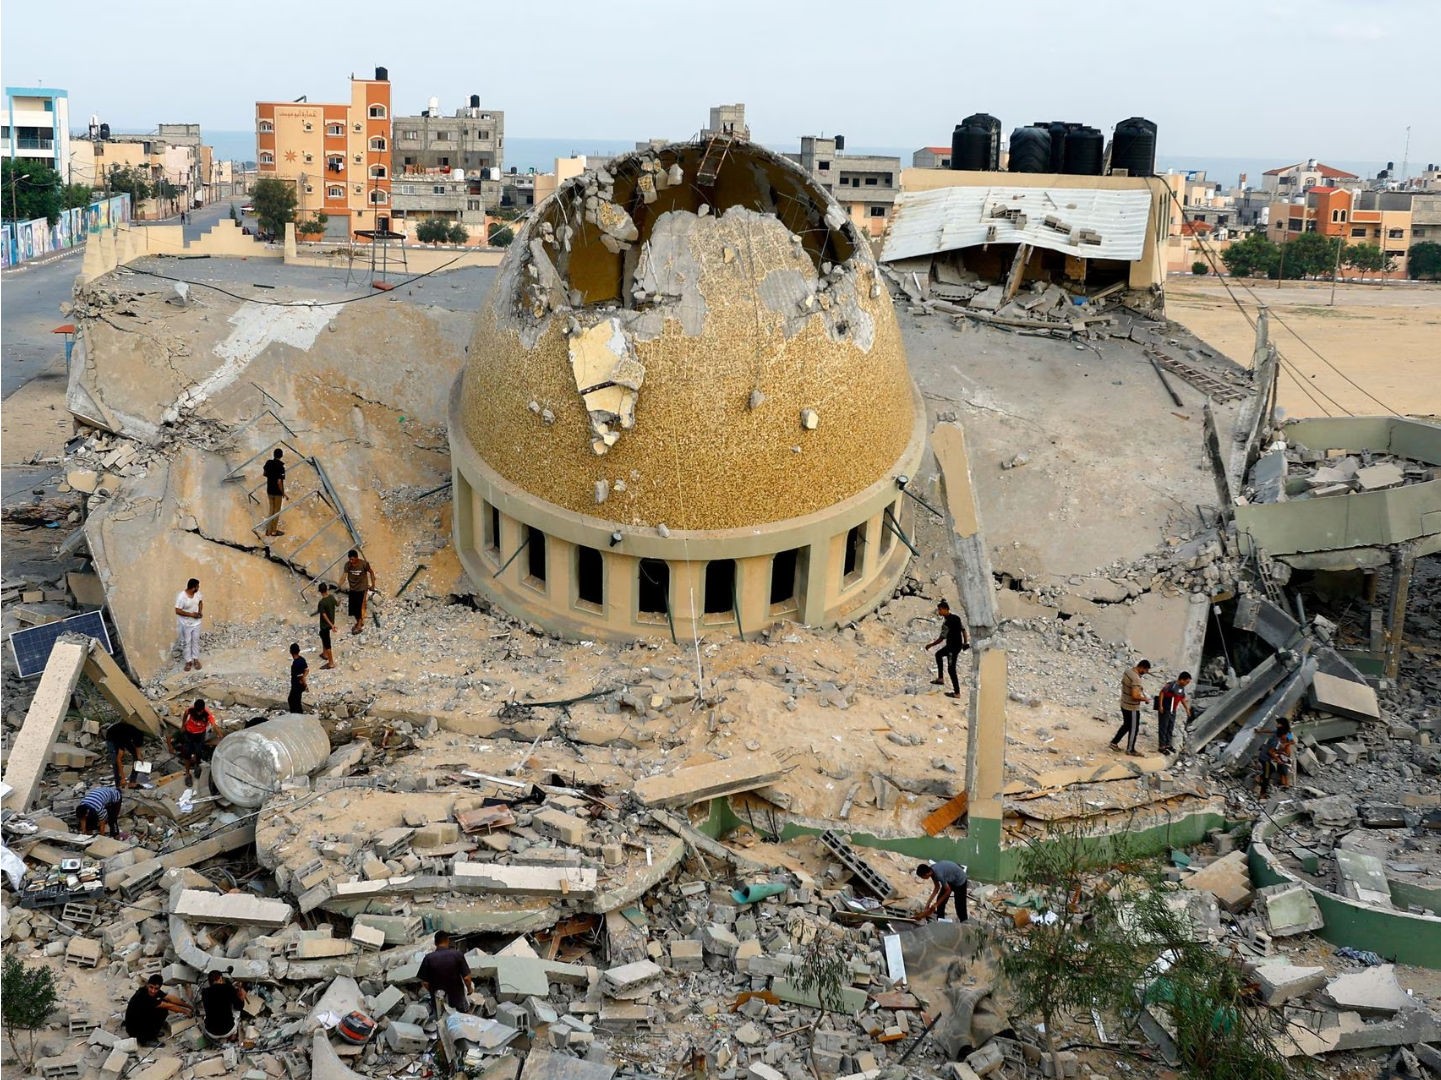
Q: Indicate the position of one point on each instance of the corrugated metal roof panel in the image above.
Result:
(944, 219)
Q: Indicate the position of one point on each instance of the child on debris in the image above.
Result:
(1275, 757)
(196, 723)
(326, 609)
(98, 801)
(299, 680)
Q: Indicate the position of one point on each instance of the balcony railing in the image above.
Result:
(35, 144)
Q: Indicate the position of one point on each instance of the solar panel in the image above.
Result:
(32, 646)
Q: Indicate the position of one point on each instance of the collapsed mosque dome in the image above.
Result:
(691, 341)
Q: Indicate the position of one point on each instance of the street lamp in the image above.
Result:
(15, 202)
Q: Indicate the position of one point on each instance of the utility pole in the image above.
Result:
(1336, 270)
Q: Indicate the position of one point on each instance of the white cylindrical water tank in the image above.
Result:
(250, 765)
(457, 174)
(435, 106)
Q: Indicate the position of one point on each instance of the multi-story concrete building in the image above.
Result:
(931, 157)
(472, 139)
(724, 120)
(337, 154)
(35, 125)
(451, 196)
(1296, 179)
(865, 184)
(1426, 219)
(1357, 217)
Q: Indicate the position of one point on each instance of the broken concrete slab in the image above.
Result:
(561, 881)
(1281, 982)
(31, 751)
(1380, 477)
(631, 980)
(1289, 909)
(1312, 1032)
(230, 909)
(1362, 877)
(544, 1065)
(1228, 879)
(700, 782)
(1374, 991)
(325, 1063)
(520, 977)
(1341, 697)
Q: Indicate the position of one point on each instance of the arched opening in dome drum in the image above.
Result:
(720, 587)
(785, 580)
(855, 555)
(653, 596)
(535, 558)
(589, 578)
(607, 226)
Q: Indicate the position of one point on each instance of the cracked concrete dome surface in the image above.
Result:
(695, 336)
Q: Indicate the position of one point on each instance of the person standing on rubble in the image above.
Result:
(121, 739)
(275, 491)
(299, 679)
(326, 609)
(1275, 757)
(99, 801)
(446, 971)
(949, 881)
(1133, 696)
(359, 580)
(1173, 694)
(145, 1012)
(196, 724)
(189, 607)
(953, 633)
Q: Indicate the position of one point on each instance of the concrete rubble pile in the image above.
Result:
(1292, 472)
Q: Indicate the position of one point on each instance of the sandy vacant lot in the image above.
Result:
(1386, 339)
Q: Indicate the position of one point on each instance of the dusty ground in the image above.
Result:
(1382, 338)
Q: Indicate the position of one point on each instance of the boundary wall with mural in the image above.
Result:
(25, 240)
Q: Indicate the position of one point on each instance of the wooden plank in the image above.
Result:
(945, 815)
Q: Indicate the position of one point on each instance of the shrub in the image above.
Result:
(1198, 268)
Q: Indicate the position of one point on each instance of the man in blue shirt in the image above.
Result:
(948, 882)
(99, 802)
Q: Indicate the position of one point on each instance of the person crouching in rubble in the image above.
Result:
(1275, 757)
(195, 726)
(145, 1012)
(99, 801)
(949, 881)
(222, 1001)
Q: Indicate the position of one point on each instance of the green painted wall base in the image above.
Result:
(1396, 935)
(980, 851)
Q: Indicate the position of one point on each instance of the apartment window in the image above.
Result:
(878, 211)
(309, 190)
(490, 521)
(335, 131)
(266, 126)
(589, 577)
(1395, 234)
(437, 189)
(472, 204)
(823, 166)
(377, 143)
(1338, 215)
(335, 163)
(720, 586)
(442, 136)
(309, 157)
(407, 189)
(267, 158)
(410, 134)
(1418, 232)
(1359, 230)
(653, 596)
(482, 135)
(784, 567)
(306, 125)
(335, 191)
(359, 188)
(377, 172)
(855, 555)
(359, 159)
(377, 112)
(1296, 224)
(379, 198)
(872, 181)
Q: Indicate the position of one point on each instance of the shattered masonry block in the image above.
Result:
(387, 1000)
(1228, 879)
(367, 937)
(686, 955)
(436, 834)
(231, 909)
(629, 980)
(406, 1038)
(560, 826)
(717, 939)
(83, 952)
(1280, 983)
(1289, 910)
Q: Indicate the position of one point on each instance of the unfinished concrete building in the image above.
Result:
(686, 406)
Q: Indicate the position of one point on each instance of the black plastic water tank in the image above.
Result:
(475, 101)
(1058, 129)
(382, 74)
(1085, 147)
(976, 144)
(1133, 147)
(840, 142)
(1030, 150)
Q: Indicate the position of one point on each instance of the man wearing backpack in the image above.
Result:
(1173, 694)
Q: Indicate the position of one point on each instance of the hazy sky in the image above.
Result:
(1278, 79)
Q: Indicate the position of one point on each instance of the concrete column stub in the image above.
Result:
(986, 741)
(968, 543)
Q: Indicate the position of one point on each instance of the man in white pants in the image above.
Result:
(189, 606)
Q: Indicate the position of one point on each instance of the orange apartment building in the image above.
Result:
(1337, 211)
(337, 155)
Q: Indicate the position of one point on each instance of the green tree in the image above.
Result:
(433, 230)
(77, 195)
(274, 202)
(1308, 254)
(457, 233)
(129, 181)
(1255, 256)
(1424, 260)
(1198, 268)
(311, 226)
(27, 998)
(30, 190)
(500, 235)
(1366, 257)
